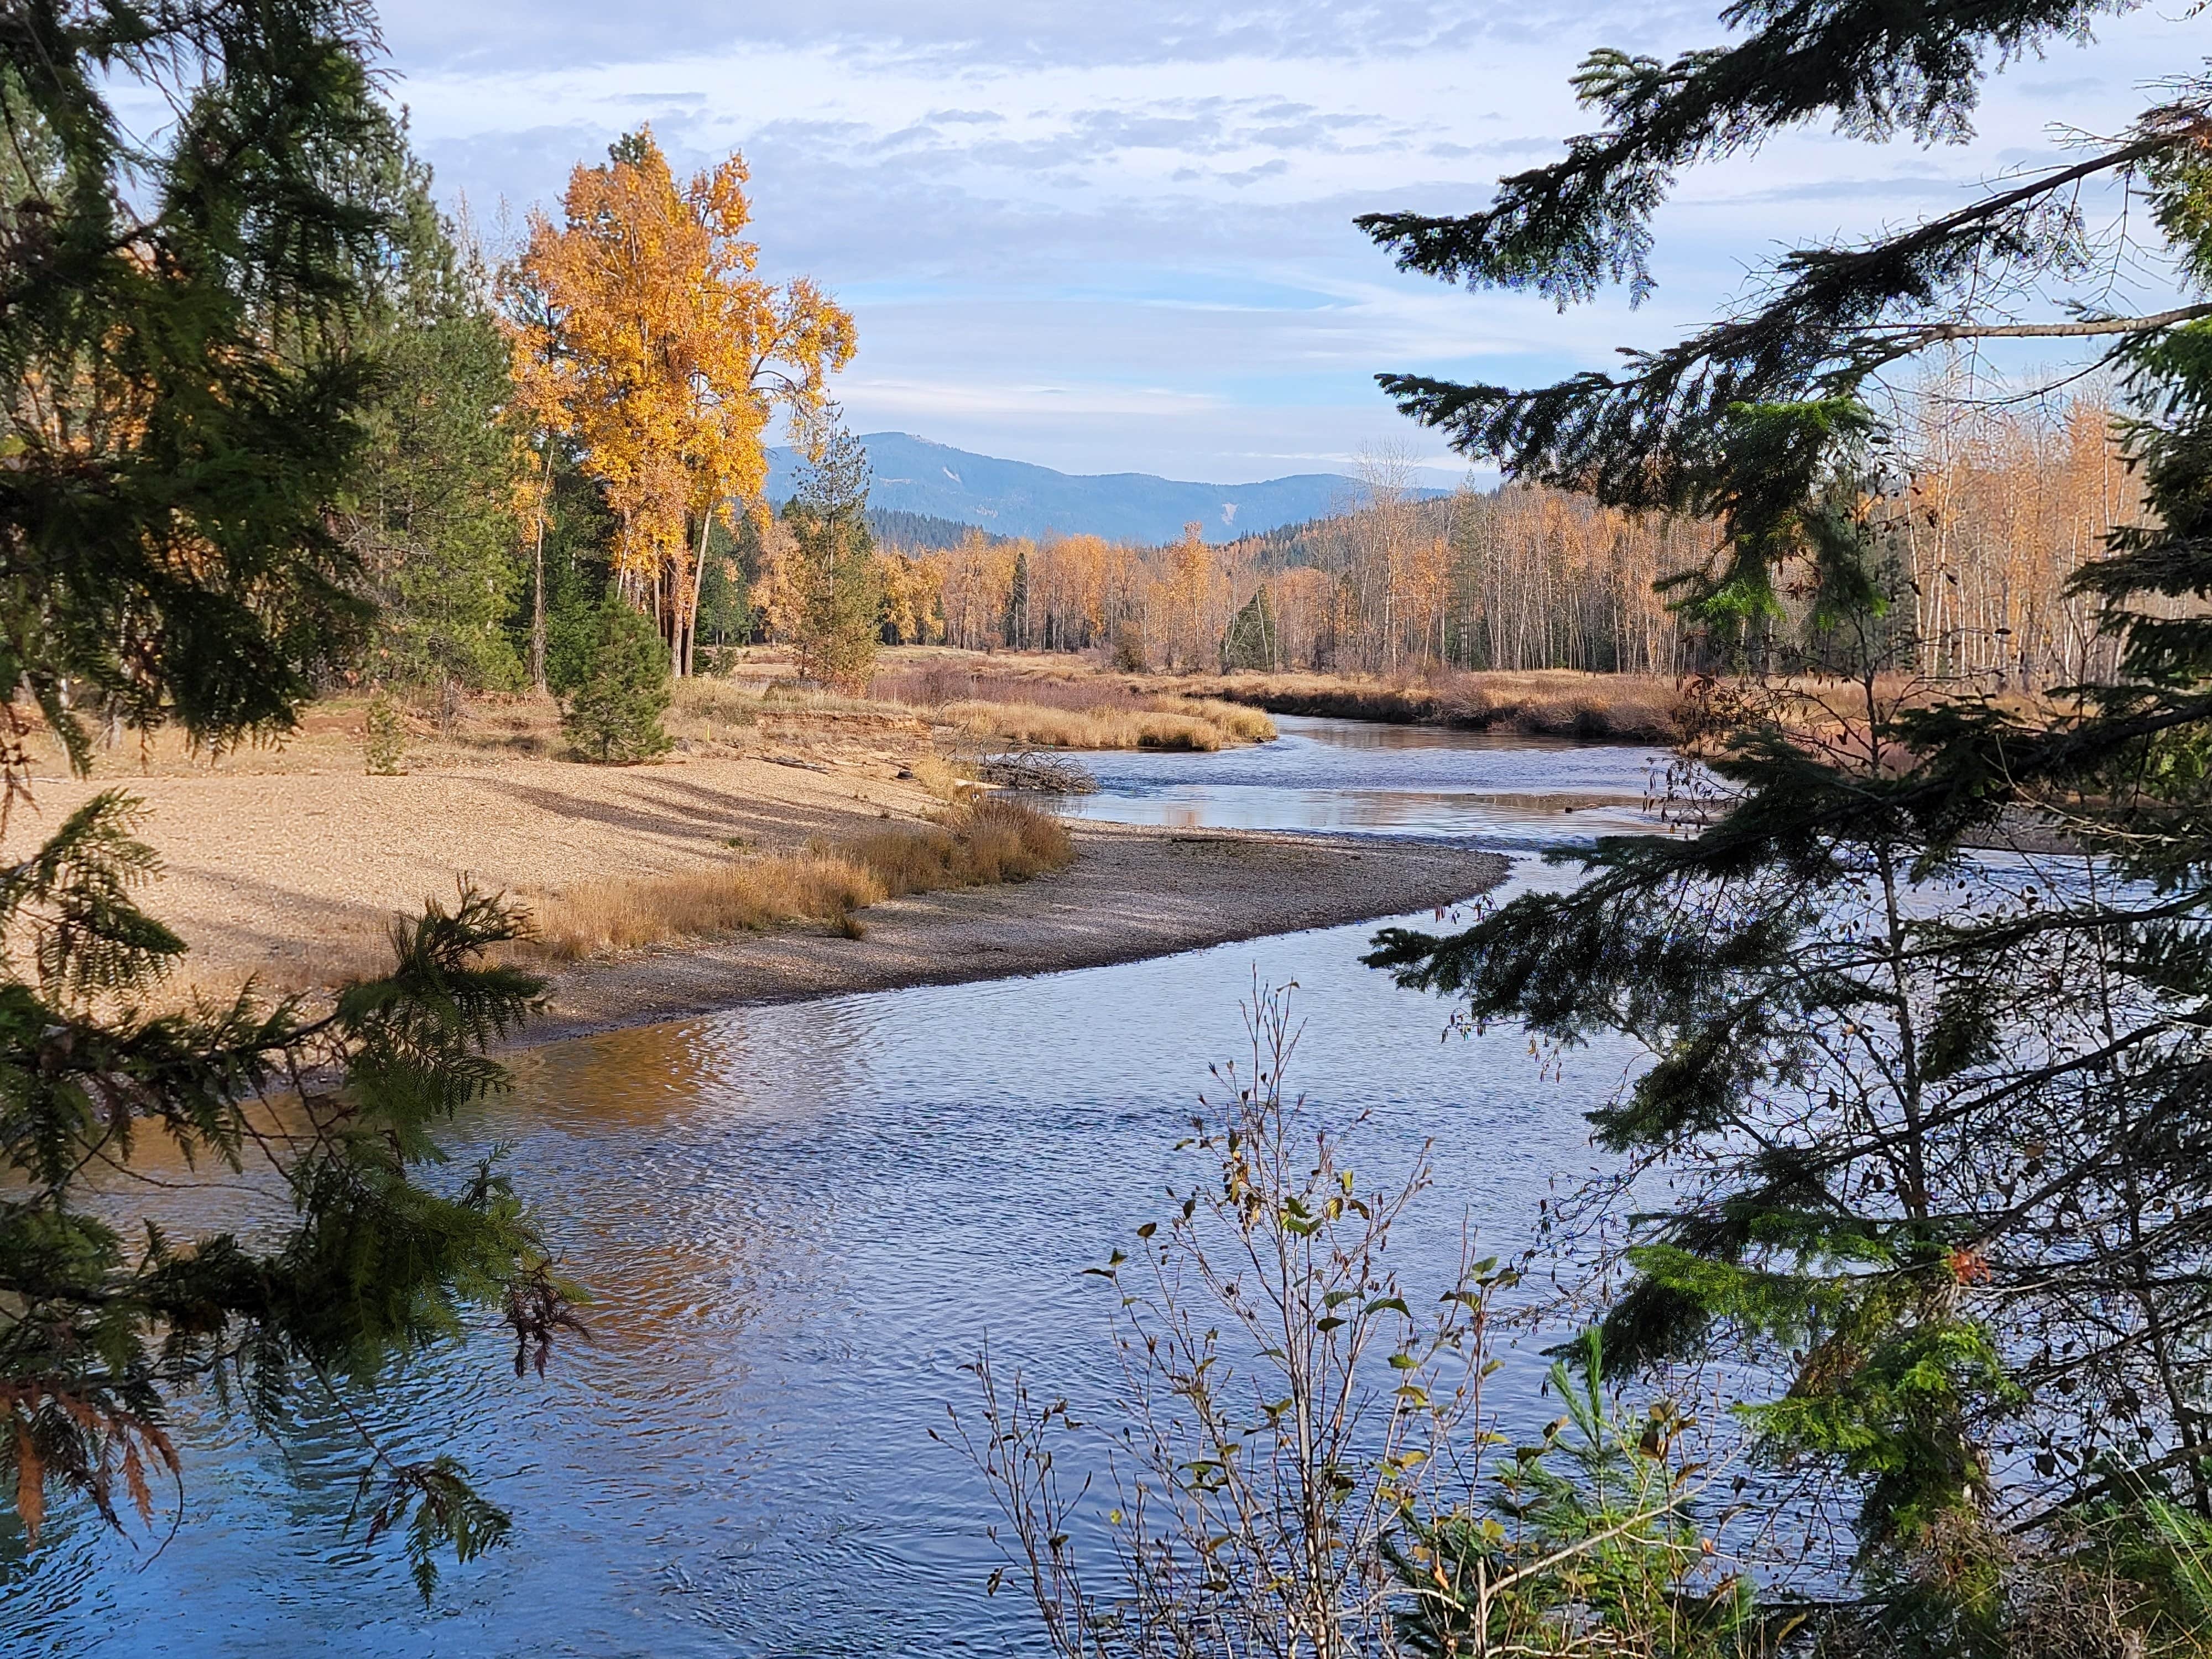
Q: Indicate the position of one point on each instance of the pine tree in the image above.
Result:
(1253, 640)
(430, 514)
(1014, 627)
(1939, 1140)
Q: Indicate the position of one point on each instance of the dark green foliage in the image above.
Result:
(1594, 1539)
(1937, 1128)
(1669, 430)
(386, 747)
(613, 712)
(165, 540)
(726, 612)
(579, 570)
(182, 327)
(343, 1108)
(1865, 68)
(438, 1507)
(919, 533)
(430, 514)
(1253, 640)
(1014, 627)
(839, 585)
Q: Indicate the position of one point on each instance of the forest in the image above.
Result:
(529, 460)
(1870, 1300)
(1990, 508)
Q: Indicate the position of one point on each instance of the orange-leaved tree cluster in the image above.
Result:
(643, 335)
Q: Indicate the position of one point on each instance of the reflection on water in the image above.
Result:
(1351, 776)
(801, 1223)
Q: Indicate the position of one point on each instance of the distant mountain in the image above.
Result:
(1012, 498)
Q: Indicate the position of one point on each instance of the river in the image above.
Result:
(799, 1223)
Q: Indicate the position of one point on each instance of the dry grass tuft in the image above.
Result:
(1241, 722)
(750, 895)
(935, 773)
(991, 842)
(1197, 725)
(1548, 702)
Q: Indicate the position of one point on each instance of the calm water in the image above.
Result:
(800, 1222)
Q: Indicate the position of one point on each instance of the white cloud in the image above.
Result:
(1115, 237)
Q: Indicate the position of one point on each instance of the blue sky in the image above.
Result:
(1116, 236)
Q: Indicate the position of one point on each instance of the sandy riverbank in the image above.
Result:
(292, 876)
(1130, 893)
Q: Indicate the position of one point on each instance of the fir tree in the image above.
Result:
(840, 587)
(183, 334)
(430, 514)
(612, 713)
(1939, 1139)
(1252, 641)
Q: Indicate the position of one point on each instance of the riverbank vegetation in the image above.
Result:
(981, 843)
(1295, 1454)
(1553, 703)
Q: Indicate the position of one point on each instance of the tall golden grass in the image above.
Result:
(1025, 712)
(989, 841)
(1196, 724)
(1061, 705)
(1548, 702)
(992, 840)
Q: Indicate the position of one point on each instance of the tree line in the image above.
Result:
(1985, 515)
(567, 454)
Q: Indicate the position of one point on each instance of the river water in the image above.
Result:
(800, 1223)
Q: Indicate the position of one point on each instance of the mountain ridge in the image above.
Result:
(914, 474)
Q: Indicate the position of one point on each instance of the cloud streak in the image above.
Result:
(1118, 237)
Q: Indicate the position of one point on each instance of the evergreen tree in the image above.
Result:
(1252, 641)
(613, 712)
(1015, 629)
(577, 555)
(431, 511)
(1937, 1126)
(726, 612)
(182, 337)
(840, 587)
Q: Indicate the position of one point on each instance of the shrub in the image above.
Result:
(387, 738)
(1296, 1459)
(1129, 648)
(614, 714)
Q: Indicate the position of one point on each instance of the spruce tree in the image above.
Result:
(182, 334)
(1935, 1126)
(1252, 641)
(840, 589)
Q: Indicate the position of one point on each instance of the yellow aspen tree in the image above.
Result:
(652, 345)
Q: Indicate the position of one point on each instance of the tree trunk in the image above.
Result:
(538, 576)
(690, 623)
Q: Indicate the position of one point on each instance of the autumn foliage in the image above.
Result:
(1995, 509)
(645, 338)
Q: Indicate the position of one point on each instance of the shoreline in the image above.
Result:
(1132, 893)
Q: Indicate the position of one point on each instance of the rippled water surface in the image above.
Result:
(800, 1222)
(1351, 776)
